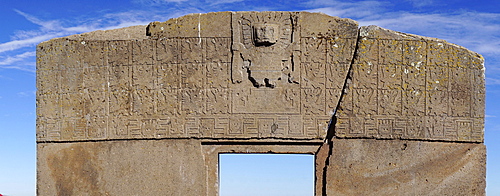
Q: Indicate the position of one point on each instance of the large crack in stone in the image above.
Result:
(328, 142)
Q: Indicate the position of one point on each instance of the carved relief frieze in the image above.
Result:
(272, 76)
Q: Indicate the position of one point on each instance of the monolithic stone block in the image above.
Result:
(146, 110)
(398, 167)
(146, 167)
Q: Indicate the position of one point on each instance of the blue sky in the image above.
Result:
(25, 23)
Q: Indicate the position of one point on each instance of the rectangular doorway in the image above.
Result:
(266, 174)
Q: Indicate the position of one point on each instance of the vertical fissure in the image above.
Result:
(331, 126)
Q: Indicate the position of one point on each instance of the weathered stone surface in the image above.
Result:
(398, 167)
(384, 112)
(257, 77)
(145, 167)
(412, 87)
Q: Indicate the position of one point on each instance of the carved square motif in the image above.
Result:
(192, 50)
(437, 78)
(365, 101)
(218, 50)
(340, 51)
(118, 127)
(367, 52)
(389, 77)
(437, 103)
(236, 125)
(365, 76)
(167, 51)
(266, 34)
(143, 51)
(313, 75)
(97, 128)
(119, 53)
(413, 77)
(435, 127)
(437, 54)
(357, 127)
(389, 102)
(415, 53)
(336, 75)
(143, 77)
(464, 129)
(143, 102)
(97, 51)
(414, 103)
(313, 50)
(168, 102)
(192, 101)
(385, 127)
(416, 127)
(192, 75)
(168, 76)
(313, 101)
(390, 52)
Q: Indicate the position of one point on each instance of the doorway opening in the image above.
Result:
(266, 174)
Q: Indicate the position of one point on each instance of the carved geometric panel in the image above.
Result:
(266, 78)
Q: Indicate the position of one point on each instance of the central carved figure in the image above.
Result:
(263, 52)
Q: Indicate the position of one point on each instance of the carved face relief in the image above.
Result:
(266, 34)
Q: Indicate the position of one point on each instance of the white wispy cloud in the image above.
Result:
(474, 30)
(12, 59)
(13, 53)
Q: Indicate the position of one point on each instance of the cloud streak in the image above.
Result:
(474, 30)
(12, 59)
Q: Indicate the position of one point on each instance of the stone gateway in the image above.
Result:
(146, 110)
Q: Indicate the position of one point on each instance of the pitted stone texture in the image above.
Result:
(412, 87)
(147, 167)
(263, 75)
(398, 167)
(123, 113)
